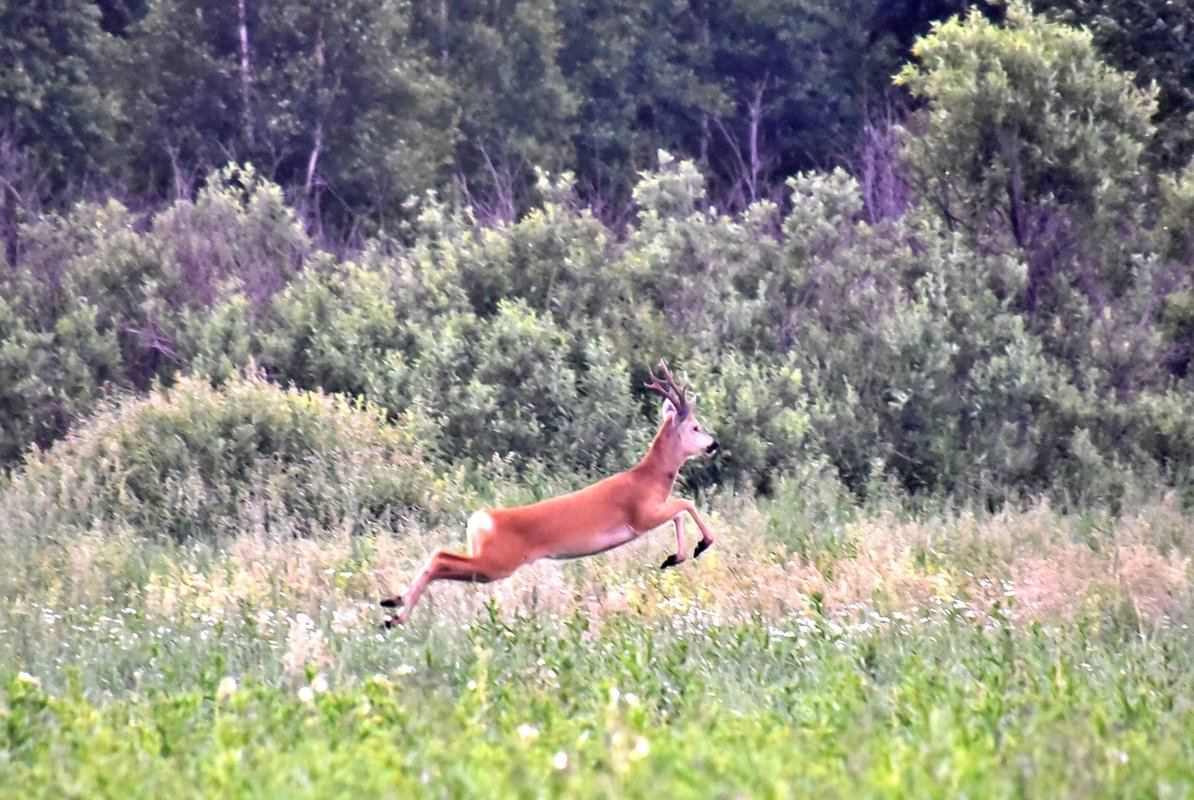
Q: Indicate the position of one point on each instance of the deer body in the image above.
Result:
(594, 519)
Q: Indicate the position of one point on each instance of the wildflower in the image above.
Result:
(226, 688)
(560, 760)
(527, 733)
(29, 680)
(319, 684)
(306, 694)
(344, 621)
(305, 646)
(641, 748)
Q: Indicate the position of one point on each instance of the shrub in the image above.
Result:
(331, 329)
(515, 384)
(194, 461)
(239, 231)
(758, 412)
(114, 296)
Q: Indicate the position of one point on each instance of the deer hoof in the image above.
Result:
(701, 547)
(390, 622)
(392, 602)
(671, 561)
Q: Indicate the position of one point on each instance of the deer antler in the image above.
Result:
(668, 387)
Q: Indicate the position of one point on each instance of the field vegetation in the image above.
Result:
(818, 649)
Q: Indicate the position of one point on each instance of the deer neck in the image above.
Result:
(663, 459)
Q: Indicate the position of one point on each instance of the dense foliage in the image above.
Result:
(1023, 326)
(352, 108)
(995, 303)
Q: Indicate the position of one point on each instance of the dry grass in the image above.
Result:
(1039, 564)
(305, 597)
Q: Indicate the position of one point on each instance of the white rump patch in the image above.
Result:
(479, 522)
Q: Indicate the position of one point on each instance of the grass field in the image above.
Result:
(873, 654)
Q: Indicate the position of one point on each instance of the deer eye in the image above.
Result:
(696, 427)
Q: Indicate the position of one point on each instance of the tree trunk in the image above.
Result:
(246, 72)
(320, 108)
(755, 109)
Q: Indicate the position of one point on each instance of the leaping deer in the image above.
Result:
(599, 517)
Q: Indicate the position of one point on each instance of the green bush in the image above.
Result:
(114, 299)
(194, 461)
(515, 384)
(758, 412)
(239, 232)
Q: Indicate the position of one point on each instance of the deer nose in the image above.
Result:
(711, 449)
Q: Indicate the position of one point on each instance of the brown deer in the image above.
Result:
(609, 513)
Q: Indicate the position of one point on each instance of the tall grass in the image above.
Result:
(814, 650)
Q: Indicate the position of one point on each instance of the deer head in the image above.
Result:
(678, 418)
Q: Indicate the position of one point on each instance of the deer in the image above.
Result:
(604, 515)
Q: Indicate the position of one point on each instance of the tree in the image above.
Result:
(1025, 131)
(347, 107)
(794, 78)
(635, 68)
(49, 100)
(175, 83)
(1151, 39)
(330, 101)
(501, 58)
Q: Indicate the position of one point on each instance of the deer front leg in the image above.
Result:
(706, 533)
(673, 509)
(681, 544)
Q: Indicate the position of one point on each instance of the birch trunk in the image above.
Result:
(246, 70)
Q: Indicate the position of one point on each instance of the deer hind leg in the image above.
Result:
(681, 544)
(444, 565)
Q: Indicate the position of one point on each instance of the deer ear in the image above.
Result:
(669, 411)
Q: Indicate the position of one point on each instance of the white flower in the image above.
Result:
(29, 680)
(528, 733)
(560, 760)
(344, 621)
(319, 684)
(641, 748)
(226, 688)
(306, 694)
(406, 669)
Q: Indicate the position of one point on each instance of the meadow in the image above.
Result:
(818, 649)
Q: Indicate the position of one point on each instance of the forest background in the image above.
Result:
(485, 218)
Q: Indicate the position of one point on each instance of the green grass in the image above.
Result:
(930, 663)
